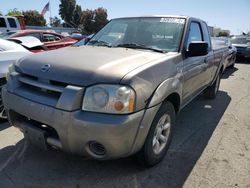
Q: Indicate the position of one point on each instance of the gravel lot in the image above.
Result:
(211, 148)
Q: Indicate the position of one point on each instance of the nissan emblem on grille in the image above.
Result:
(45, 68)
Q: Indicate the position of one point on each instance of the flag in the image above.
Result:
(45, 9)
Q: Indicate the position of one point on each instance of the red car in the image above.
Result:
(50, 39)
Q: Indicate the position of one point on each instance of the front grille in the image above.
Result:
(45, 87)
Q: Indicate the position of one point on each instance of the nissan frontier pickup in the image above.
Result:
(119, 94)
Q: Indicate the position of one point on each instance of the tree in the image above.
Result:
(87, 21)
(77, 16)
(55, 22)
(1, 14)
(223, 34)
(33, 18)
(100, 18)
(14, 12)
(94, 20)
(66, 10)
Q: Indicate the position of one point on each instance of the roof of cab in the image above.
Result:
(156, 16)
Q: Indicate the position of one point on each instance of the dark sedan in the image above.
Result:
(242, 44)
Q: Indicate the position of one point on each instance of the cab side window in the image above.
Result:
(2, 22)
(194, 33)
(12, 22)
(206, 35)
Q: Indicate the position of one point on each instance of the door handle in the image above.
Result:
(205, 60)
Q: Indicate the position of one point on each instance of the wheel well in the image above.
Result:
(174, 98)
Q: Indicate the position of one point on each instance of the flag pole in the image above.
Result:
(50, 13)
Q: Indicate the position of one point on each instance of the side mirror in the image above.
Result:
(198, 48)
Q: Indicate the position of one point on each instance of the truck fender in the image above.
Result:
(220, 70)
(165, 89)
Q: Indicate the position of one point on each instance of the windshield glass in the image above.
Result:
(241, 40)
(7, 35)
(157, 33)
(83, 41)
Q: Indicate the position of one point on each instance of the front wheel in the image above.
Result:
(159, 136)
(211, 91)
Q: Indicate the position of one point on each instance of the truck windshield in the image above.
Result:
(155, 33)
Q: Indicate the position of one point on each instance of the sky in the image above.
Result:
(226, 14)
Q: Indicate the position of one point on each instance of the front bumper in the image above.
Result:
(121, 135)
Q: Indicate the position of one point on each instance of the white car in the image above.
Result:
(9, 53)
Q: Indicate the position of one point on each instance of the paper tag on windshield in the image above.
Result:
(173, 20)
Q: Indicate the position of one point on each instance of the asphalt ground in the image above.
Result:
(210, 148)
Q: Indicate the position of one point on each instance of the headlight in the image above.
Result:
(113, 99)
(10, 70)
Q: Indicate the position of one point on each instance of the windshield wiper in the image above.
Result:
(140, 46)
(100, 43)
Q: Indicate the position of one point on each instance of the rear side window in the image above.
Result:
(2, 22)
(50, 37)
(12, 22)
(194, 33)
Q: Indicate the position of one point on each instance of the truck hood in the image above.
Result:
(86, 65)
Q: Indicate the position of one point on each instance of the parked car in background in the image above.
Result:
(118, 95)
(224, 42)
(9, 23)
(50, 39)
(30, 43)
(9, 53)
(242, 43)
(78, 36)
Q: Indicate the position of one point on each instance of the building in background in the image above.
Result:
(217, 31)
(211, 30)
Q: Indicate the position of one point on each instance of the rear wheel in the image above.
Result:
(232, 66)
(159, 136)
(211, 91)
(3, 115)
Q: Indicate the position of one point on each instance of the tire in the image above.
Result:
(211, 91)
(156, 146)
(3, 115)
(232, 66)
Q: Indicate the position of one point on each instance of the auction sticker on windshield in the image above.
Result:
(173, 20)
